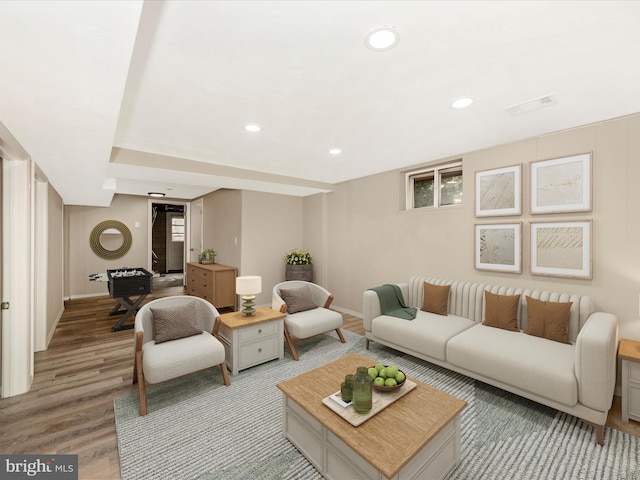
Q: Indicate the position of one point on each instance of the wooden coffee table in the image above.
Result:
(417, 436)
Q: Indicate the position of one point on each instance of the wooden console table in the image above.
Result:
(214, 282)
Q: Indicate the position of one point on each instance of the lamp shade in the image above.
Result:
(248, 285)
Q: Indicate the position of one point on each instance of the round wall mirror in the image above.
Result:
(110, 239)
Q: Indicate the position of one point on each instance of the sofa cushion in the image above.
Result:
(313, 322)
(548, 320)
(436, 299)
(298, 299)
(426, 334)
(501, 311)
(173, 323)
(526, 362)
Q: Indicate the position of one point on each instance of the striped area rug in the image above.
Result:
(198, 429)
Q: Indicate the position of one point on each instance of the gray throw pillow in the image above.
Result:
(298, 299)
(172, 323)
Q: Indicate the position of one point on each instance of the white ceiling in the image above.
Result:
(137, 96)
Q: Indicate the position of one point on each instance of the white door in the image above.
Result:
(1, 270)
(16, 320)
(196, 230)
(175, 241)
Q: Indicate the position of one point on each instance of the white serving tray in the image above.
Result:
(380, 401)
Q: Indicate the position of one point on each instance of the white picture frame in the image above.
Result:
(562, 185)
(562, 249)
(499, 192)
(498, 247)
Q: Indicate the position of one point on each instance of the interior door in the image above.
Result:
(196, 230)
(16, 319)
(1, 291)
(175, 242)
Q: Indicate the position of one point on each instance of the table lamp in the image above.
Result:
(248, 287)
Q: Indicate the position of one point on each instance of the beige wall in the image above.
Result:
(314, 235)
(81, 261)
(252, 231)
(222, 225)
(271, 226)
(369, 241)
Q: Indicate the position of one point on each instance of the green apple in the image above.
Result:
(379, 381)
(390, 382)
(383, 373)
(400, 377)
(373, 373)
(390, 371)
(379, 366)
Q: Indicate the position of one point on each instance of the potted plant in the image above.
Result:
(298, 265)
(208, 256)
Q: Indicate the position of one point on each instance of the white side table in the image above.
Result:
(250, 341)
(629, 354)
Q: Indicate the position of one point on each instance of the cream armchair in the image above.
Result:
(175, 336)
(307, 307)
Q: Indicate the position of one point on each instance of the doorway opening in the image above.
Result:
(168, 230)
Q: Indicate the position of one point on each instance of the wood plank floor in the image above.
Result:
(69, 408)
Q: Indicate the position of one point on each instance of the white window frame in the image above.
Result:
(175, 227)
(436, 171)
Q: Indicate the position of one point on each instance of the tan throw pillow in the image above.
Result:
(436, 298)
(172, 323)
(298, 299)
(501, 311)
(548, 320)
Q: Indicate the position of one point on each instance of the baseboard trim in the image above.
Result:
(85, 295)
(55, 325)
(347, 311)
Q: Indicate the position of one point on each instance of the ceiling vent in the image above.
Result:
(531, 105)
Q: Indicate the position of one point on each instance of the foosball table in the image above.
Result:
(123, 284)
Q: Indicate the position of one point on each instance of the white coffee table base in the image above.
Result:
(337, 461)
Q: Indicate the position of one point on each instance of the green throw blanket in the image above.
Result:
(392, 302)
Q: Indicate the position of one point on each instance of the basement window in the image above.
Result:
(177, 229)
(435, 186)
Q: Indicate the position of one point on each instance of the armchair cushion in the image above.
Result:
(313, 322)
(172, 323)
(298, 299)
(187, 355)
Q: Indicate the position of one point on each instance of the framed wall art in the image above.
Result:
(499, 192)
(499, 247)
(561, 184)
(562, 249)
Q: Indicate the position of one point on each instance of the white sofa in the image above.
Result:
(577, 378)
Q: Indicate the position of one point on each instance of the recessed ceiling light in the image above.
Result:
(335, 151)
(156, 194)
(382, 38)
(252, 127)
(462, 102)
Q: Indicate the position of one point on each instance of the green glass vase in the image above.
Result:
(362, 391)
